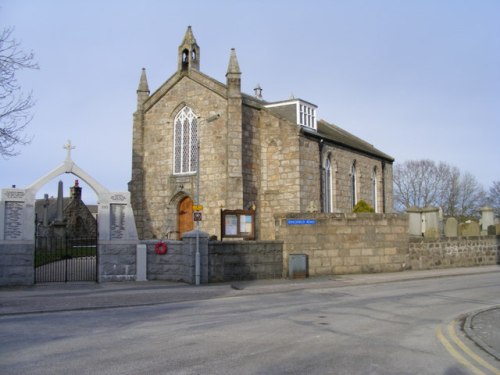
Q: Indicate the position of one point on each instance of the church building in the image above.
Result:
(204, 150)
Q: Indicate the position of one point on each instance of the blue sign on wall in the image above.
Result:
(301, 221)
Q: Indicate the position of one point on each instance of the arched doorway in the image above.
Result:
(185, 216)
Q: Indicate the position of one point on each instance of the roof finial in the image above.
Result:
(143, 82)
(258, 91)
(233, 66)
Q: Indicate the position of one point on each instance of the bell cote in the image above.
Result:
(189, 53)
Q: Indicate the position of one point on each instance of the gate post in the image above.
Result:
(189, 247)
(141, 263)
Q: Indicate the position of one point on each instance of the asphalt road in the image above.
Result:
(405, 327)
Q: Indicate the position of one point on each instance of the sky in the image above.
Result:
(417, 79)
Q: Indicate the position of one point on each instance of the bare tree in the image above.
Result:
(423, 183)
(14, 105)
(418, 183)
(494, 197)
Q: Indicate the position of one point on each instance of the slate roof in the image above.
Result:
(329, 132)
(339, 136)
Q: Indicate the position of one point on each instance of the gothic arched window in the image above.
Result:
(185, 142)
(354, 195)
(328, 197)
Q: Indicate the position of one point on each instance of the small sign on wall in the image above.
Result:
(301, 221)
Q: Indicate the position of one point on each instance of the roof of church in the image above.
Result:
(325, 130)
(342, 137)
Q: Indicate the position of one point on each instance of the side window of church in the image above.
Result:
(185, 142)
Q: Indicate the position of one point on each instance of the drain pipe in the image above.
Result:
(321, 177)
(383, 187)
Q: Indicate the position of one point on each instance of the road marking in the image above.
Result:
(470, 353)
(456, 354)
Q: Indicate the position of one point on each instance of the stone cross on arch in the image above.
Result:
(68, 146)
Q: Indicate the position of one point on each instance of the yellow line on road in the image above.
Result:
(456, 354)
(470, 353)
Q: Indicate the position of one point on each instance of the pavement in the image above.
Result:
(482, 327)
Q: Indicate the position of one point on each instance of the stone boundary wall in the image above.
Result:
(117, 261)
(16, 262)
(345, 243)
(175, 265)
(427, 253)
(244, 260)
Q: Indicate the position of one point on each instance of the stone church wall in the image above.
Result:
(279, 175)
(343, 159)
(309, 178)
(162, 189)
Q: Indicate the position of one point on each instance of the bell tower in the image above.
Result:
(189, 53)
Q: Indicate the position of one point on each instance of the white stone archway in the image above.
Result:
(17, 207)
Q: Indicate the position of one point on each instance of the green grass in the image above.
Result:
(43, 257)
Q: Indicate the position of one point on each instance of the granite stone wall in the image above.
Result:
(429, 253)
(345, 243)
(16, 262)
(244, 260)
(176, 265)
(117, 261)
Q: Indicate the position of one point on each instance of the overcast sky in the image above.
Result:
(417, 79)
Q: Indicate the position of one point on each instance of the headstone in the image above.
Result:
(487, 219)
(451, 227)
(430, 222)
(469, 229)
(414, 222)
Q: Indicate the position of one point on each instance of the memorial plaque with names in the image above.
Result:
(117, 221)
(13, 220)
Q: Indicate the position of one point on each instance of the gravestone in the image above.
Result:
(451, 227)
(430, 222)
(469, 229)
(493, 230)
(414, 222)
(487, 219)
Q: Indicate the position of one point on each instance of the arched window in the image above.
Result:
(374, 189)
(354, 195)
(328, 194)
(185, 142)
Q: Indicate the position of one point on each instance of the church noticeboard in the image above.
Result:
(238, 224)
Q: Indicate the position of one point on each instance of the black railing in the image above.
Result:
(60, 259)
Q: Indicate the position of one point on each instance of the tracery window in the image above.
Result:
(185, 142)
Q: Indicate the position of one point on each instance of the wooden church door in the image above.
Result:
(185, 216)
